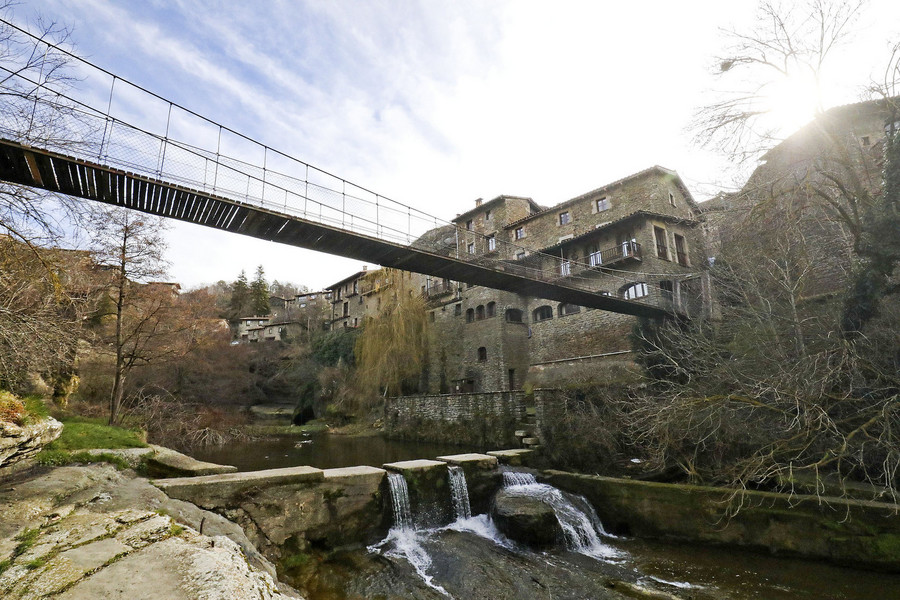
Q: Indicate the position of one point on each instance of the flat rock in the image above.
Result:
(473, 460)
(169, 463)
(414, 465)
(515, 457)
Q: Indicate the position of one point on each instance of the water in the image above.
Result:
(403, 540)
(459, 492)
(322, 450)
(471, 559)
(579, 522)
(400, 501)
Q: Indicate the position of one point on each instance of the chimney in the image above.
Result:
(365, 268)
(478, 203)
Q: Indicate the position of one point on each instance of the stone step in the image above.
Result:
(522, 433)
(531, 442)
(515, 457)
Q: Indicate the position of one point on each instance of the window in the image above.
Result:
(865, 140)
(479, 312)
(568, 309)
(492, 243)
(681, 251)
(564, 218)
(671, 198)
(491, 309)
(565, 268)
(634, 291)
(662, 250)
(471, 248)
(356, 287)
(520, 255)
(432, 316)
(469, 225)
(513, 315)
(542, 313)
(520, 233)
(470, 315)
(487, 215)
(603, 204)
(482, 354)
(667, 290)
(346, 309)
(457, 310)
(312, 296)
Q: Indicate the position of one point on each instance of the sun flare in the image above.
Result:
(791, 103)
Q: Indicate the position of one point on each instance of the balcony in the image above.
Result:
(438, 288)
(630, 250)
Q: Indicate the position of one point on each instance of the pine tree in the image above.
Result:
(259, 293)
(240, 298)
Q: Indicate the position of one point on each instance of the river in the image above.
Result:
(470, 560)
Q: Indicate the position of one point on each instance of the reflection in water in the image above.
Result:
(322, 450)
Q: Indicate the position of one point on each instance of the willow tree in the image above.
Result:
(390, 352)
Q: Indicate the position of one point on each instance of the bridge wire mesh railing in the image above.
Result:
(92, 114)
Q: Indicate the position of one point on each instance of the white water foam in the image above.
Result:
(580, 526)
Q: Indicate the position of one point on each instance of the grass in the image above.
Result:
(83, 433)
(26, 540)
(60, 458)
(35, 407)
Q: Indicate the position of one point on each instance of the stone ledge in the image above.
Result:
(473, 460)
(413, 465)
(515, 457)
(169, 463)
(217, 490)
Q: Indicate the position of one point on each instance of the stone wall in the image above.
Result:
(479, 419)
(849, 532)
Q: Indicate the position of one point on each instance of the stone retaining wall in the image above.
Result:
(848, 532)
(480, 419)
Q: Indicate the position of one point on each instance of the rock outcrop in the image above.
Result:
(525, 519)
(18, 443)
(93, 532)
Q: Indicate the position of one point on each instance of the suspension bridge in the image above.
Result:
(134, 153)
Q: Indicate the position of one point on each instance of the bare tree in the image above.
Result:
(131, 246)
(787, 41)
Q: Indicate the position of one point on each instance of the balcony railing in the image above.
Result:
(438, 288)
(623, 251)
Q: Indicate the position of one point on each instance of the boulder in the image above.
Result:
(20, 443)
(525, 519)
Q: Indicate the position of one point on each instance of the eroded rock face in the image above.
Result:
(525, 519)
(19, 443)
(80, 533)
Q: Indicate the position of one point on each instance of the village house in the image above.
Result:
(492, 340)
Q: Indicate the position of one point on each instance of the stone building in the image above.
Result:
(484, 339)
(816, 185)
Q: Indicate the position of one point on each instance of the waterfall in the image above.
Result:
(403, 540)
(459, 492)
(400, 501)
(577, 518)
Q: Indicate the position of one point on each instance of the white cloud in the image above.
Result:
(429, 103)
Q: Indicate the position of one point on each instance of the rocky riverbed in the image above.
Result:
(86, 532)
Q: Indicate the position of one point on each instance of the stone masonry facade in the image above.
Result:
(636, 237)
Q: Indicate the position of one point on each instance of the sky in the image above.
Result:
(436, 103)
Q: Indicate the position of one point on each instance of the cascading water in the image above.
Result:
(577, 518)
(459, 492)
(403, 539)
(400, 501)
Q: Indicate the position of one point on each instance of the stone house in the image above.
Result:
(484, 339)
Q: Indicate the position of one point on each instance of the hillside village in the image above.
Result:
(641, 236)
